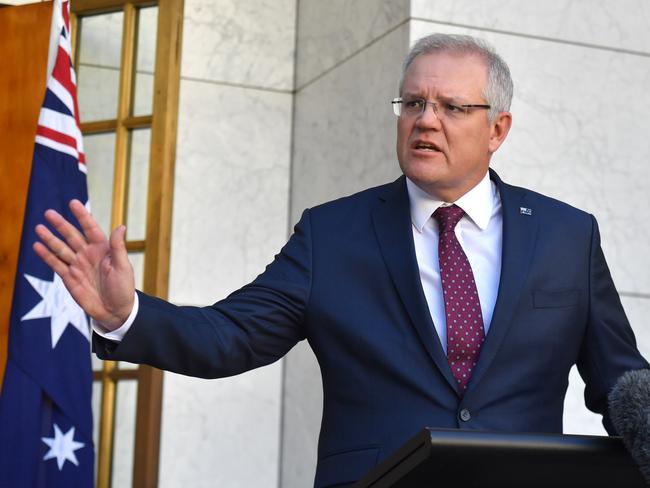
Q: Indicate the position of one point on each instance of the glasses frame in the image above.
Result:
(397, 106)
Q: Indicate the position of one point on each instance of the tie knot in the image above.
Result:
(448, 217)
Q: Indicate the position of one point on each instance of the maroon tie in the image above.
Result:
(465, 333)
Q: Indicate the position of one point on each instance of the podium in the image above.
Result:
(461, 458)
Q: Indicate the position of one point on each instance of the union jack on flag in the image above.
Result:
(58, 127)
(45, 404)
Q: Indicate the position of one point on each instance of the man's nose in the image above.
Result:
(429, 117)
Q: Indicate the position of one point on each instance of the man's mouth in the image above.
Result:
(426, 146)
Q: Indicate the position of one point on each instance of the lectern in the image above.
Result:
(461, 458)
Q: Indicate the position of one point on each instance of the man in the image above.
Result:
(446, 298)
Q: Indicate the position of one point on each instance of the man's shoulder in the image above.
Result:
(363, 199)
(354, 213)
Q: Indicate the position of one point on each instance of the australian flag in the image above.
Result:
(45, 403)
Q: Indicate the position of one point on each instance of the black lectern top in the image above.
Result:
(462, 458)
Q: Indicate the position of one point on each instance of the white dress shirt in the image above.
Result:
(479, 232)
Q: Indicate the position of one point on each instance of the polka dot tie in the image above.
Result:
(465, 335)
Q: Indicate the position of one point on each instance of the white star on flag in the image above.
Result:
(59, 306)
(62, 447)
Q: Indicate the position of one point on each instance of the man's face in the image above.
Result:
(448, 157)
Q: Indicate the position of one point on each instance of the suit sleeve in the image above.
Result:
(252, 327)
(609, 348)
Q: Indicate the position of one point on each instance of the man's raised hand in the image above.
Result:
(96, 271)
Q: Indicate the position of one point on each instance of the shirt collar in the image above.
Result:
(478, 203)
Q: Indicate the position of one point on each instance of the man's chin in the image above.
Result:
(425, 172)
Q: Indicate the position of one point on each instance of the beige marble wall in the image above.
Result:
(331, 32)
(621, 24)
(242, 43)
(230, 218)
(344, 126)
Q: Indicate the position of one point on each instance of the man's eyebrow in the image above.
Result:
(453, 99)
(412, 95)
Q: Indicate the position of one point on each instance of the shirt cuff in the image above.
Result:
(119, 333)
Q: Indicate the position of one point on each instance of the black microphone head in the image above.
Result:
(629, 409)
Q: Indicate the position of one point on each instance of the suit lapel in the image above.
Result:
(520, 225)
(392, 224)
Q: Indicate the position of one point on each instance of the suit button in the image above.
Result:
(465, 416)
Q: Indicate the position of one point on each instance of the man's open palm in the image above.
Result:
(96, 271)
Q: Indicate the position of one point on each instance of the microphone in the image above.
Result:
(629, 409)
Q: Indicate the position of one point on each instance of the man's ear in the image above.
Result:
(499, 130)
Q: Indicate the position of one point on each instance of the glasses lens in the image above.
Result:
(413, 107)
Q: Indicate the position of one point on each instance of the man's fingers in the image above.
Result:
(70, 233)
(88, 224)
(118, 248)
(55, 245)
(51, 259)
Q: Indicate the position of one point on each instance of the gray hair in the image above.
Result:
(497, 91)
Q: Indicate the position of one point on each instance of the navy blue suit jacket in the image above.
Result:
(348, 282)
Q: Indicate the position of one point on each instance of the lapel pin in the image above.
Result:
(525, 211)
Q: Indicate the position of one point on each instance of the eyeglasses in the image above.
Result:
(414, 107)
